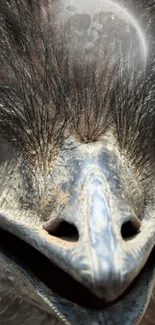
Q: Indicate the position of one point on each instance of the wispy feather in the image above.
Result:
(55, 74)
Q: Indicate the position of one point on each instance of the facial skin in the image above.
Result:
(77, 155)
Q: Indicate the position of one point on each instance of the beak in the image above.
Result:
(101, 259)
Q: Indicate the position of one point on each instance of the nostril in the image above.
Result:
(62, 229)
(130, 229)
(66, 231)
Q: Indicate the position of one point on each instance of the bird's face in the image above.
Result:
(83, 248)
(77, 205)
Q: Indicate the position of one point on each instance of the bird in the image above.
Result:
(77, 162)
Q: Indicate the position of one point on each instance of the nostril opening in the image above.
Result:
(62, 229)
(66, 231)
(130, 229)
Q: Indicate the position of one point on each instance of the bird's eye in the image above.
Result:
(6, 151)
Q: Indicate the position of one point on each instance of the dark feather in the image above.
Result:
(15, 311)
(45, 87)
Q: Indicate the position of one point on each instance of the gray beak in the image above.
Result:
(102, 259)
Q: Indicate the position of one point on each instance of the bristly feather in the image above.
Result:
(30, 98)
(43, 89)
